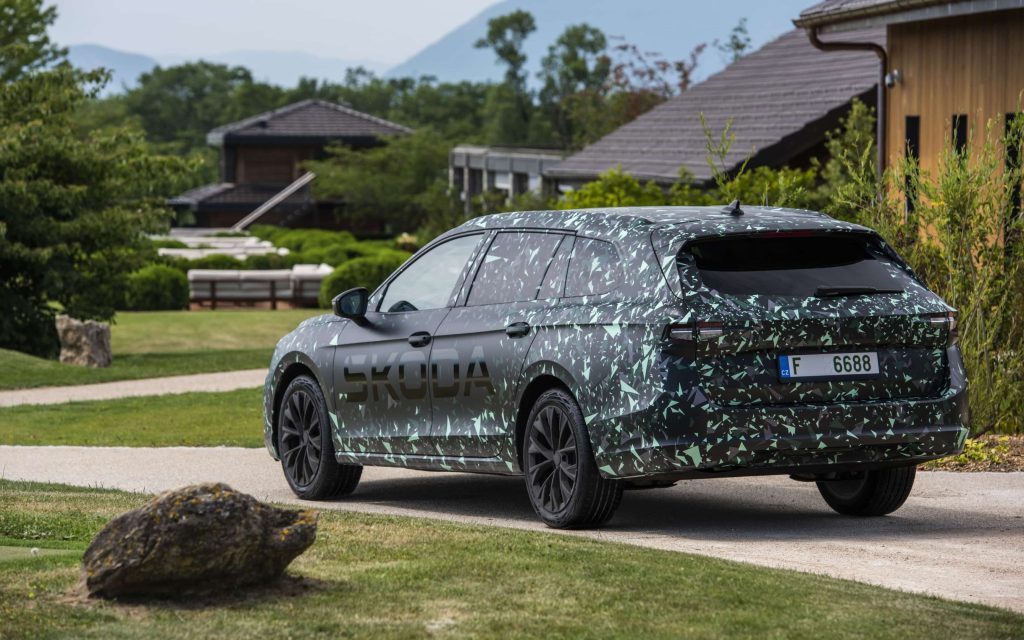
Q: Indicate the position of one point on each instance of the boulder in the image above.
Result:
(198, 539)
(84, 343)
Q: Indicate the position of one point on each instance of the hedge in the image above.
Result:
(366, 272)
(157, 287)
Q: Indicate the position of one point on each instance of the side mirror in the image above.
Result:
(352, 304)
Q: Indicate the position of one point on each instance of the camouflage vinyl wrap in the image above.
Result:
(653, 405)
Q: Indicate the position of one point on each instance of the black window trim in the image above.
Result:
(377, 299)
(466, 286)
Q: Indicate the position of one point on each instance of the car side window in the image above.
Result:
(513, 268)
(428, 283)
(593, 268)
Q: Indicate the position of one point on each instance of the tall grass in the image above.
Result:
(957, 227)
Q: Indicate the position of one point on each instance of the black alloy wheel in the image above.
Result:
(305, 445)
(553, 462)
(301, 449)
(562, 480)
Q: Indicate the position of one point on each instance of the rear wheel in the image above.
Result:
(305, 446)
(562, 480)
(870, 493)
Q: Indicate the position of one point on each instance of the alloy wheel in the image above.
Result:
(301, 434)
(552, 459)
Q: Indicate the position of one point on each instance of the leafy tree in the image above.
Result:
(737, 44)
(24, 44)
(575, 72)
(395, 183)
(179, 105)
(73, 211)
(509, 105)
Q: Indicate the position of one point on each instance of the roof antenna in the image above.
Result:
(733, 208)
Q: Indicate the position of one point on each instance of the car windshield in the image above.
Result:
(822, 265)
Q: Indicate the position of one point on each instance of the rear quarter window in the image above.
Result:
(594, 268)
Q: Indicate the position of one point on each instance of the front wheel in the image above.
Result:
(305, 446)
(562, 480)
(870, 493)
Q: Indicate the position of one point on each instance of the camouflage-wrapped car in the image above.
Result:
(596, 350)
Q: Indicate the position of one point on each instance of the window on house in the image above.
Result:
(913, 151)
(960, 132)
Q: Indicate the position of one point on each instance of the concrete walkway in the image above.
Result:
(223, 381)
(960, 535)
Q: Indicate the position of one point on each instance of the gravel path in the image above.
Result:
(960, 535)
(223, 381)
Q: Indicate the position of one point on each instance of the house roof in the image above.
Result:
(227, 195)
(832, 12)
(780, 99)
(308, 120)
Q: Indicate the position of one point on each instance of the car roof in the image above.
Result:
(697, 221)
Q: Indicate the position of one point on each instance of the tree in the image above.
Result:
(73, 211)
(24, 44)
(510, 106)
(179, 105)
(574, 72)
(397, 183)
(737, 44)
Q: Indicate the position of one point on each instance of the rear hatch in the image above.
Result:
(812, 317)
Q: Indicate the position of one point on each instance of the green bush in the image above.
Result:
(215, 261)
(157, 287)
(366, 272)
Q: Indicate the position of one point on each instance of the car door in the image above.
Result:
(381, 373)
(480, 346)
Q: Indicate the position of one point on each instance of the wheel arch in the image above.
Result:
(542, 377)
(291, 367)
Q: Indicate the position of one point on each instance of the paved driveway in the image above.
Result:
(960, 536)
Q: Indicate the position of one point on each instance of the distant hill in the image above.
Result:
(125, 67)
(278, 67)
(671, 27)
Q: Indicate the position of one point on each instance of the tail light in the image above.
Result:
(695, 331)
(947, 320)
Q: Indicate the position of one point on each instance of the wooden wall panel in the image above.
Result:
(972, 65)
(270, 165)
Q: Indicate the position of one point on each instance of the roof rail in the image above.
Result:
(277, 199)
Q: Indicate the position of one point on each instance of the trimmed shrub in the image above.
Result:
(157, 287)
(215, 261)
(366, 272)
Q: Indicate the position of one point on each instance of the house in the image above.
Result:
(262, 156)
(951, 66)
(511, 171)
(779, 101)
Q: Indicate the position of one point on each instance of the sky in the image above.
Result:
(387, 31)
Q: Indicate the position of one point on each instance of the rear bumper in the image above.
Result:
(673, 436)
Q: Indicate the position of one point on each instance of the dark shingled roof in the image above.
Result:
(832, 11)
(241, 196)
(308, 120)
(780, 98)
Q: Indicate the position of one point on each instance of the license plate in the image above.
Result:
(828, 366)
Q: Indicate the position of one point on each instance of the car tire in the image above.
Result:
(305, 445)
(558, 460)
(873, 493)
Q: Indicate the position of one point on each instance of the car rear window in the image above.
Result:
(796, 265)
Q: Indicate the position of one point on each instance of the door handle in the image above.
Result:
(517, 329)
(419, 339)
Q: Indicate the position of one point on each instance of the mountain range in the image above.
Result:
(670, 28)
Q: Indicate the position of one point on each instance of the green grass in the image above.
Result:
(230, 418)
(165, 343)
(396, 577)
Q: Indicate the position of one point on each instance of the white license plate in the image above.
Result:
(828, 366)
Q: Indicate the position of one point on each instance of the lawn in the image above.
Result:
(230, 418)
(396, 577)
(163, 343)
